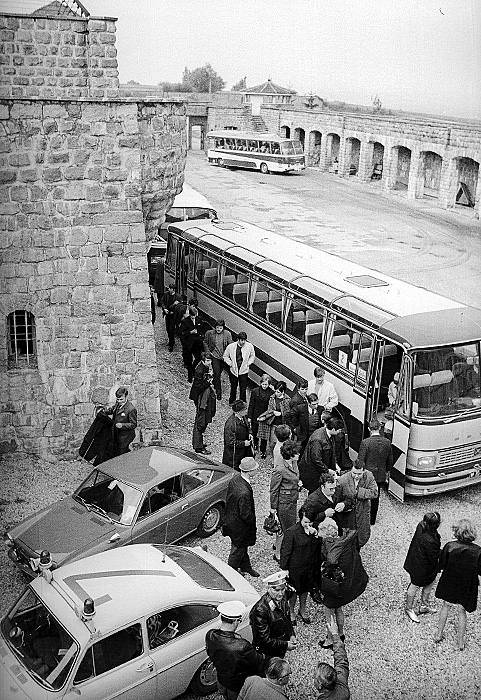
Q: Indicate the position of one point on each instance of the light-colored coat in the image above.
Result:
(248, 357)
(359, 518)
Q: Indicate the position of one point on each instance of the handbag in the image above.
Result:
(316, 594)
(271, 525)
(332, 577)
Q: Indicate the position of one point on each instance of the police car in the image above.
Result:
(127, 623)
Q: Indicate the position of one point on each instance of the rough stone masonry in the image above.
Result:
(84, 184)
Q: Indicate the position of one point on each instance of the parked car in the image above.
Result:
(155, 494)
(130, 623)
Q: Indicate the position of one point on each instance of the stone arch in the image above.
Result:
(196, 132)
(467, 179)
(377, 161)
(333, 150)
(300, 134)
(286, 131)
(314, 148)
(431, 164)
(352, 152)
(402, 163)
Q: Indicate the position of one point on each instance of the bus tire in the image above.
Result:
(220, 162)
(264, 169)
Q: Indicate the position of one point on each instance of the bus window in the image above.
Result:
(189, 253)
(296, 319)
(403, 402)
(241, 144)
(253, 146)
(267, 302)
(315, 321)
(220, 143)
(274, 308)
(207, 270)
(347, 346)
(231, 281)
(275, 148)
(172, 249)
(240, 292)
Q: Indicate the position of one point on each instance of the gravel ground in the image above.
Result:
(390, 657)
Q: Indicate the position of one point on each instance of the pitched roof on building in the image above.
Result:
(268, 88)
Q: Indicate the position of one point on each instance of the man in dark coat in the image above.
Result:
(237, 442)
(326, 501)
(169, 303)
(270, 618)
(234, 658)
(98, 444)
(304, 418)
(203, 395)
(376, 453)
(124, 417)
(320, 454)
(240, 518)
(191, 330)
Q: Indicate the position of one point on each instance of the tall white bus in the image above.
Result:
(301, 307)
(255, 151)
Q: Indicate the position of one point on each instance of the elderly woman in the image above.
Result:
(298, 553)
(284, 490)
(460, 563)
(276, 413)
(258, 403)
(422, 564)
(340, 551)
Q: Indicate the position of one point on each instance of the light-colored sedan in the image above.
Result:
(130, 623)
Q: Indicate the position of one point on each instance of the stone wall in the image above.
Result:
(83, 185)
(58, 57)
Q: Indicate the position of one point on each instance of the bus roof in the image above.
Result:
(409, 314)
(191, 198)
(253, 135)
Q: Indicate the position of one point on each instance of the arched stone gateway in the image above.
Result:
(300, 135)
(286, 132)
(398, 169)
(377, 161)
(352, 151)
(467, 183)
(431, 165)
(332, 153)
(314, 150)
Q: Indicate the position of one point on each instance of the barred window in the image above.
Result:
(22, 351)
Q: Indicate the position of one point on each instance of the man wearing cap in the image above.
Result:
(234, 658)
(272, 629)
(240, 518)
(237, 439)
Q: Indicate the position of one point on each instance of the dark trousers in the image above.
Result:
(239, 558)
(375, 504)
(170, 328)
(240, 381)
(198, 430)
(217, 367)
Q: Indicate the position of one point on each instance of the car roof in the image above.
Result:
(144, 467)
(111, 577)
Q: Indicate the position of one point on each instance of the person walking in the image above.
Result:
(169, 303)
(124, 418)
(277, 410)
(272, 687)
(159, 280)
(305, 418)
(240, 518)
(320, 454)
(233, 657)
(421, 563)
(298, 554)
(190, 332)
(325, 391)
(284, 490)
(358, 487)
(376, 453)
(272, 629)
(339, 552)
(203, 395)
(216, 341)
(331, 682)
(239, 356)
(237, 438)
(258, 403)
(460, 564)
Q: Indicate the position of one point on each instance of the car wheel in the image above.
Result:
(204, 681)
(264, 169)
(220, 162)
(211, 521)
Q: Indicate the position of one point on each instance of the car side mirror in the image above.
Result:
(114, 538)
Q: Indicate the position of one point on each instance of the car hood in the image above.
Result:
(65, 528)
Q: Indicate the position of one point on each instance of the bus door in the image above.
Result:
(182, 268)
(400, 431)
(374, 383)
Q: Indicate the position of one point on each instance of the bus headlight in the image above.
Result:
(427, 462)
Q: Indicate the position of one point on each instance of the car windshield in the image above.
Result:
(201, 571)
(109, 497)
(40, 643)
(446, 380)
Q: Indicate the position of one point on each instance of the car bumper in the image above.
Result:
(19, 559)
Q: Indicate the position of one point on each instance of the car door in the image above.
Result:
(116, 666)
(197, 489)
(177, 645)
(164, 515)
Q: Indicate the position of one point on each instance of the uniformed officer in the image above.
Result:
(272, 629)
(233, 656)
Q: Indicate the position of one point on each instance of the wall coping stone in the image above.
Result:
(68, 18)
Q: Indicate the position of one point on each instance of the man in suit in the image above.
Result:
(237, 441)
(376, 453)
(124, 418)
(191, 331)
(240, 517)
(202, 394)
(216, 341)
(169, 301)
(320, 454)
(300, 394)
(305, 418)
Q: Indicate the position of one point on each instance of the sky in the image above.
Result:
(416, 55)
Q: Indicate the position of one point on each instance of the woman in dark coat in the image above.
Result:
(341, 551)
(298, 552)
(460, 563)
(258, 404)
(422, 564)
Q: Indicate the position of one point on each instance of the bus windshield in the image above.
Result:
(446, 380)
(291, 148)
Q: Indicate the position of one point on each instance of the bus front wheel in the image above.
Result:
(264, 169)
(220, 162)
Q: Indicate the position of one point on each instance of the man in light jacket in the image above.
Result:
(216, 342)
(239, 356)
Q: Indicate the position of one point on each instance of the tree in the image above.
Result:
(241, 85)
(203, 79)
(132, 82)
